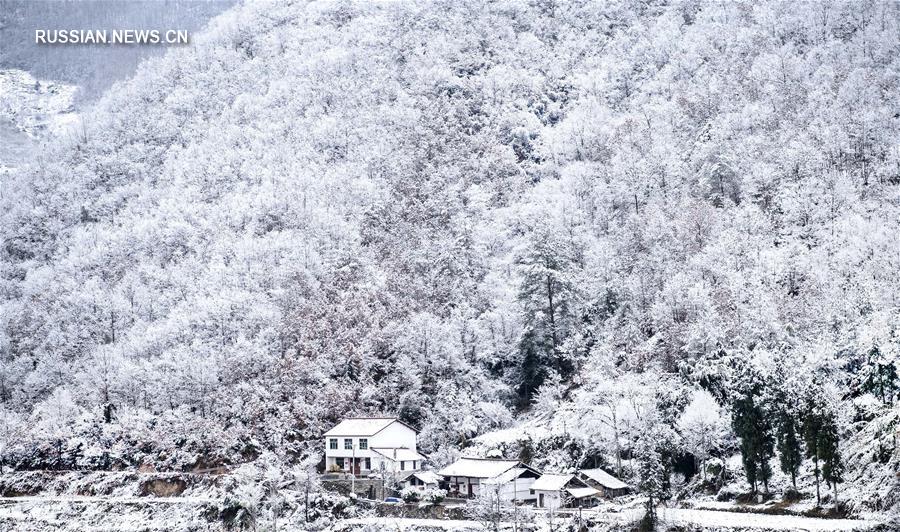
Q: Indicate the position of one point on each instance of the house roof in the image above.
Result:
(551, 482)
(400, 453)
(428, 477)
(363, 426)
(604, 479)
(478, 467)
(580, 493)
(506, 476)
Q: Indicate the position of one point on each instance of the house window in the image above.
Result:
(368, 464)
(363, 444)
(414, 464)
(332, 443)
(340, 462)
(348, 444)
(402, 465)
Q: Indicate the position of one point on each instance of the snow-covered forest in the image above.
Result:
(645, 235)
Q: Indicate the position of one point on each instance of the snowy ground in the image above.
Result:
(76, 499)
(41, 514)
(68, 512)
(396, 523)
(716, 520)
(722, 519)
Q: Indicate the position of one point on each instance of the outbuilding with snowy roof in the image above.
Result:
(511, 479)
(608, 485)
(423, 481)
(563, 490)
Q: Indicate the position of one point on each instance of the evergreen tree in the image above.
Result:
(787, 427)
(832, 463)
(881, 377)
(753, 428)
(532, 370)
(821, 435)
(790, 453)
(548, 298)
(651, 479)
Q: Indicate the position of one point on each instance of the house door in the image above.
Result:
(356, 466)
(541, 500)
(471, 490)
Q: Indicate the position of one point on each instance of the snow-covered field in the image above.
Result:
(67, 513)
(720, 519)
(715, 520)
(102, 514)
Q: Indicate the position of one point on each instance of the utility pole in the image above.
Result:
(273, 500)
(306, 499)
(381, 467)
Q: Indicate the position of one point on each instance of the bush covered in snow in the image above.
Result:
(410, 495)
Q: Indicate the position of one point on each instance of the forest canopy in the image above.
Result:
(460, 213)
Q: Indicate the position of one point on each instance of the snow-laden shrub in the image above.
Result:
(410, 495)
(435, 496)
(326, 504)
(240, 508)
(726, 494)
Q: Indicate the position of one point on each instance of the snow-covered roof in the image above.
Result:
(478, 467)
(604, 479)
(399, 454)
(506, 476)
(428, 477)
(362, 426)
(580, 493)
(551, 482)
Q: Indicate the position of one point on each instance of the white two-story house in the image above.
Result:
(366, 445)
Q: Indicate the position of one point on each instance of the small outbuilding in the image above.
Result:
(608, 485)
(563, 491)
(423, 480)
(511, 478)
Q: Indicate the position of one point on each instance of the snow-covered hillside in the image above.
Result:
(31, 111)
(36, 107)
(660, 238)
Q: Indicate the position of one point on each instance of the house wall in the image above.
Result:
(395, 435)
(332, 455)
(518, 490)
(551, 499)
(347, 453)
(332, 461)
(462, 485)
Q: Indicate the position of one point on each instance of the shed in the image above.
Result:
(566, 490)
(423, 480)
(511, 478)
(608, 485)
